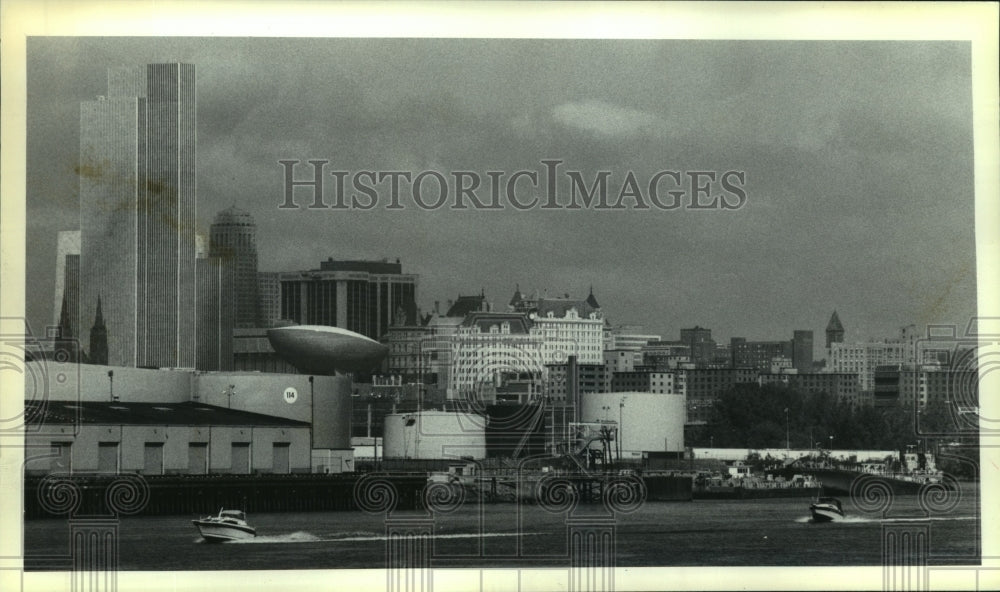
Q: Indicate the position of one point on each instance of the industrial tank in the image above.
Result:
(434, 435)
(650, 422)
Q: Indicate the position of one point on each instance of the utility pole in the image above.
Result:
(787, 446)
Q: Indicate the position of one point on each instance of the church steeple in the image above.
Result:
(65, 349)
(99, 338)
(65, 329)
(516, 298)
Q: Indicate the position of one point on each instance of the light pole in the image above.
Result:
(787, 447)
(111, 384)
(621, 407)
(229, 395)
(831, 445)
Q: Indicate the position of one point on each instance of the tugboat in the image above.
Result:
(826, 509)
(228, 525)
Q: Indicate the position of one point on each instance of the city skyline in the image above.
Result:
(817, 119)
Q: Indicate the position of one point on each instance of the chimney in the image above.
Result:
(437, 307)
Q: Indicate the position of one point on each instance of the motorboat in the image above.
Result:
(826, 509)
(228, 525)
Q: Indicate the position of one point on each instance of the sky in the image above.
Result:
(856, 155)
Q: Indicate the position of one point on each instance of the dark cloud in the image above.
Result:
(857, 156)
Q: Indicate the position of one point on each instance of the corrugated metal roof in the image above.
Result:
(118, 413)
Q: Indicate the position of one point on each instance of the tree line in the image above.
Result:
(768, 416)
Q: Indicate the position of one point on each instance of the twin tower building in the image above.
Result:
(151, 296)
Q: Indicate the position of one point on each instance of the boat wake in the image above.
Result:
(864, 520)
(306, 537)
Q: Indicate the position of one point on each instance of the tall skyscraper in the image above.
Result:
(137, 214)
(68, 281)
(233, 239)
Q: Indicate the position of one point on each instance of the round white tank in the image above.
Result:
(434, 434)
(650, 422)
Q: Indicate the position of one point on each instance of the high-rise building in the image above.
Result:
(268, 298)
(233, 239)
(67, 293)
(701, 345)
(361, 296)
(215, 313)
(802, 350)
(864, 358)
(834, 330)
(137, 214)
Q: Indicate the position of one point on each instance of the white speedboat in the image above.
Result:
(228, 525)
(826, 509)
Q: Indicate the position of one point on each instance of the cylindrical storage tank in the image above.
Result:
(434, 435)
(332, 405)
(650, 422)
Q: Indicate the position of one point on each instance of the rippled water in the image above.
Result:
(774, 532)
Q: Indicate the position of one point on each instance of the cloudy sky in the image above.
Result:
(857, 156)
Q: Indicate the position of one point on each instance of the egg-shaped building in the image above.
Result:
(319, 349)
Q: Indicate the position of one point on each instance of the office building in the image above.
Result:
(863, 358)
(644, 381)
(366, 297)
(700, 345)
(215, 313)
(233, 240)
(763, 355)
(628, 337)
(490, 348)
(268, 298)
(67, 292)
(844, 387)
(137, 214)
(590, 378)
(834, 331)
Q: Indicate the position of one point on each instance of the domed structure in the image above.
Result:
(233, 239)
(233, 216)
(319, 349)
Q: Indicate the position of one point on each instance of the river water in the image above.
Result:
(775, 532)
